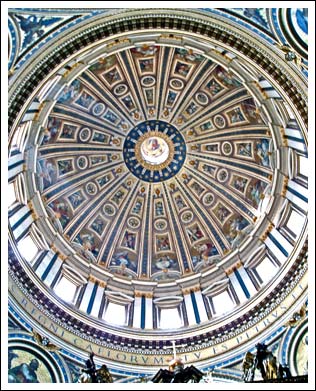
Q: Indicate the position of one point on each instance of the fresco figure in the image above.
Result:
(99, 137)
(206, 126)
(64, 166)
(70, 92)
(179, 202)
(194, 233)
(236, 116)
(182, 69)
(62, 212)
(88, 242)
(24, 373)
(85, 100)
(68, 131)
(120, 259)
(118, 196)
(227, 78)
(127, 100)
(102, 181)
(34, 27)
(171, 98)
(76, 199)
(145, 50)
(129, 240)
(244, 149)
(197, 188)
(53, 125)
(112, 76)
(98, 225)
(205, 251)
(191, 109)
(137, 207)
(149, 96)
(111, 117)
(162, 243)
(208, 169)
(254, 14)
(256, 191)
(146, 65)
(263, 152)
(212, 148)
(189, 55)
(49, 173)
(214, 87)
(239, 183)
(164, 263)
(221, 212)
(159, 208)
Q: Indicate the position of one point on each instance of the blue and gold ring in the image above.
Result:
(154, 151)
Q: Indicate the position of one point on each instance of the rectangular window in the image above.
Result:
(222, 303)
(28, 248)
(266, 270)
(66, 290)
(10, 196)
(295, 222)
(115, 314)
(304, 166)
(170, 318)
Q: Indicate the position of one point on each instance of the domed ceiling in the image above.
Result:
(153, 163)
(163, 188)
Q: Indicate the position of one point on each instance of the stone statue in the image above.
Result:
(263, 360)
(248, 367)
(266, 362)
(92, 375)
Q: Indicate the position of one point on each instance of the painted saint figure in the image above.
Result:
(24, 373)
